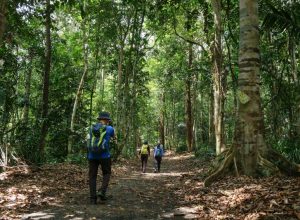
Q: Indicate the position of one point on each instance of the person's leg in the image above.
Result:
(93, 170)
(145, 158)
(142, 161)
(106, 172)
(158, 163)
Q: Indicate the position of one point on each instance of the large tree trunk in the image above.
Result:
(217, 76)
(44, 127)
(80, 86)
(249, 151)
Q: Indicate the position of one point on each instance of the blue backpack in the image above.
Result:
(158, 152)
(97, 140)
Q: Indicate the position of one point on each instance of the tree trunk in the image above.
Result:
(197, 113)
(47, 68)
(188, 115)
(211, 134)
(217, 75)
(80, 86)
(249, 130)
(27, 89)
(249, 152)
(2, 19)
(119, 107)
(188, 88)
(162, 120)
(292, 53)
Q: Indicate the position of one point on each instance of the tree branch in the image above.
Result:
(188, 40)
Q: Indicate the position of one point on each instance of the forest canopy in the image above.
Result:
(166, 71)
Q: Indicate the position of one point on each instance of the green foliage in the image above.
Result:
(290, 148)
(77, 158)
(26, 146)
(204, 152)
(148, 82)
(181, 148)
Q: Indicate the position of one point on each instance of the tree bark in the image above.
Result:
(188, 92)
(47, 68)
(249, 136)
(2, 19)
(211, 134)
(249, 152)
(217, 75)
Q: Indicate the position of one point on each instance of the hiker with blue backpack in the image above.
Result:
(98, 154)
(158, 153)
(145, 153)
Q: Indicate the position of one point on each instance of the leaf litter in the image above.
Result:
(60, 191)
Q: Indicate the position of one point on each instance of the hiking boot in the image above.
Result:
(102, 196)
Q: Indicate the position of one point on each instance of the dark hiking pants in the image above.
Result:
(93, 171)
(144, 159)
(158, 162)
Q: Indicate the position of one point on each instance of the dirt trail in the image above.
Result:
(61, 192)
(136, 195)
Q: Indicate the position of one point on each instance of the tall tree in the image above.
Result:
(188, 87)
(162, 113)
(218, 78)
(249, 149)
(85, 71)
(47, 68)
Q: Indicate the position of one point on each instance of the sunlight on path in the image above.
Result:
(136, 195)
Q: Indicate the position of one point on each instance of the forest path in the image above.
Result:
(60, 191)
(136, 195)
(147, 195)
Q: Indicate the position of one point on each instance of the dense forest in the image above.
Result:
(209, 77)
(216, 82)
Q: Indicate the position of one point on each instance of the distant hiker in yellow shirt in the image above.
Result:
(145, 153)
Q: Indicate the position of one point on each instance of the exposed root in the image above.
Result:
(269, 160)
(235, 167)
(283, 164)
(267, 164)
(220, 170)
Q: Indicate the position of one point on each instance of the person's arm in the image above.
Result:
(112, 137)
(148, 148)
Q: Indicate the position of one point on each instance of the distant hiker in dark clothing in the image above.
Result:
(98, 154)
(158, 154)
(145, 153)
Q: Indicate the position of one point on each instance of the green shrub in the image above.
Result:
(290, 148)
(78, 158)
(181, 148)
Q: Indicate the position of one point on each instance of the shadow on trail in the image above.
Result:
(61, 191)
(136, 195)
